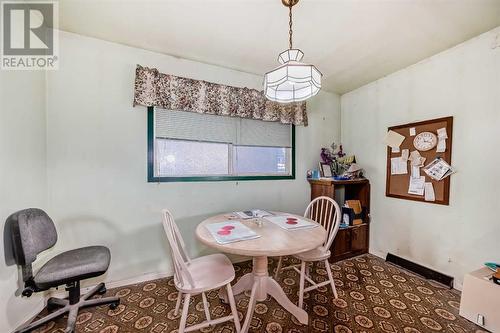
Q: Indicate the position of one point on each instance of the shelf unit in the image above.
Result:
(353, 240)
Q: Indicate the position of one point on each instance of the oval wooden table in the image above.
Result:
(274, 242)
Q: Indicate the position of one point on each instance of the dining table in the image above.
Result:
(274, 241)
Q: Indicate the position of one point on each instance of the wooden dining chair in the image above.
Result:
(197, 276)
(326, 212)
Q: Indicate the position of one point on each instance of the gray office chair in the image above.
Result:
(33, 232)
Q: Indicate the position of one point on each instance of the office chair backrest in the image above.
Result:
(326, 212)
(32, 232)
(180, 257)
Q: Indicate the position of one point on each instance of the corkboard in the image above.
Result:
(397, 185)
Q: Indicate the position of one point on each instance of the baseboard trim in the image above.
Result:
(138, 279)
(420, 270)
(376, 253)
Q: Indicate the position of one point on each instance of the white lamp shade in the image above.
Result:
(293, 81)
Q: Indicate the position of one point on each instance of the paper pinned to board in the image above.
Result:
(416, 159)
(414, 155)
(398, 166)
(439, 169)
(417, 186)
(395, 150)
(429, 192)
(405, 154)
(420, 162)
(413, 131)
(394, 139)
(441, 146)
(442, 136)
(415, 171)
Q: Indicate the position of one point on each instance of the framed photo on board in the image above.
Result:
(428, 141)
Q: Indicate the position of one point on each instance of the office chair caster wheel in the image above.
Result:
(114, 305)
(27, 292)
(102, 291)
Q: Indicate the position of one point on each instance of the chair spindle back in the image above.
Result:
(180, 257)
(326, 212)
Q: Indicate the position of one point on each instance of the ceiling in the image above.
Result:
(352, 42)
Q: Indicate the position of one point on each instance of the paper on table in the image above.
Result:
(244, 215)
(240, 232)
(398, 166)
(429, 192)
(413, 131)
(261, 213)
(281, 221)
(253, 213)
(394, 139)
(417, 186)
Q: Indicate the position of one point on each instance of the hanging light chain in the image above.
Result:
(279, 84)
(290, 32)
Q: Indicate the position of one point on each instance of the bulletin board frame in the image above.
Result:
(397, 185)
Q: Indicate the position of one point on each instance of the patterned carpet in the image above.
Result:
(374, 296)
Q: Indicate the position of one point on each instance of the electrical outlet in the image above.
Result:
(480, 319)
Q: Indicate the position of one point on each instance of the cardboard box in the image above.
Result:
(480, 301)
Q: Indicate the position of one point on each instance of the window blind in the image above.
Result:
(192, 126)
(184, 125)
(264, 133)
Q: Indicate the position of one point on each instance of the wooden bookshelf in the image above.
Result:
(353, 240)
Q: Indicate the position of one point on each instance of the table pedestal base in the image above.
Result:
(261, 285)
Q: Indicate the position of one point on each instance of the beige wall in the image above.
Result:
(22, 175)
(463, 82)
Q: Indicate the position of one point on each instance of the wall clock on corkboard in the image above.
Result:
(423, 137)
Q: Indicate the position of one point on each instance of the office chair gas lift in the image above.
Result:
(32, 232)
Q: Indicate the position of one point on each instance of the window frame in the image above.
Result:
(153, 179)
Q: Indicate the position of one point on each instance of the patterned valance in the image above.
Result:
(170, 92)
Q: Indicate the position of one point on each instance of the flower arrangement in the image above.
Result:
(337, 159)
(330, 154)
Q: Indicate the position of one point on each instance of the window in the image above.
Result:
(187, 146)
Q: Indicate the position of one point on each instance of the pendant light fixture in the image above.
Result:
(292, 81)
